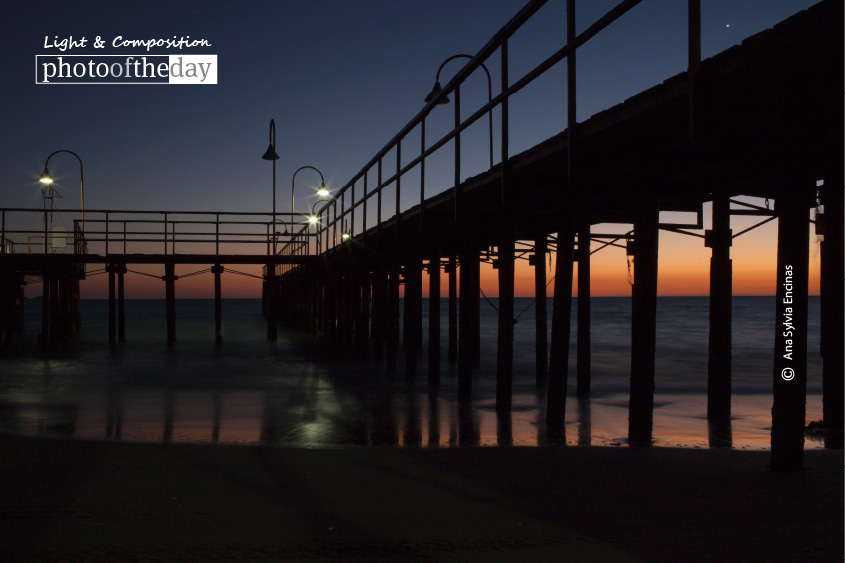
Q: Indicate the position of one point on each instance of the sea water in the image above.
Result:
(299, 391)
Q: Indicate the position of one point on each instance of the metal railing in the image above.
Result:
(349, 200)
(109, 232)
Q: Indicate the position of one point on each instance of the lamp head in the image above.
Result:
(45, 177)
(322, 191)
(344, 236)
(313, 220)
(435, 91)
(271, 153)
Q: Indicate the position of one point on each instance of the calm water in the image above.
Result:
(295, 392)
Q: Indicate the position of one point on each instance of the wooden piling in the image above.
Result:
(121, 304)
(789, 374)
(362, 325)
(561, 313)
(392, 336)
(170, 300)
(504, 355)
(466, 352)
(45, 309)
(272, 304)
(832, 303)
(217, 270)
(719, 350)
(413, 315)
(643, 324)
(55, 312)
(112, 270)
(541, 349)
(583, 351)
(452, 270)
(434, 319)
(379, 312)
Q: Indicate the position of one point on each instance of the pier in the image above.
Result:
(762, 119)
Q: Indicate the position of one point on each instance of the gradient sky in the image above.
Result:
(340, 78)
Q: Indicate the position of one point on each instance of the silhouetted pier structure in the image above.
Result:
(763, 119)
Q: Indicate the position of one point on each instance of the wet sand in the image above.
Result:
(75, 500)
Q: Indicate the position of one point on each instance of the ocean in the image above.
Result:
(298, 392)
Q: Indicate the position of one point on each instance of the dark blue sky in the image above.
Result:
(340, 77)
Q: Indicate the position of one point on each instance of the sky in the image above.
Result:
(340, 78)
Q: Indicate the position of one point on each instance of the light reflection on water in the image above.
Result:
(290, 393)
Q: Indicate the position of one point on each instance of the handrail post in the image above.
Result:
(694, 32)
(217, 236)
(398, 186)
(107, 233)
(165, 234)
(457, 102)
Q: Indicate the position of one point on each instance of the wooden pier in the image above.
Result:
(763, 119)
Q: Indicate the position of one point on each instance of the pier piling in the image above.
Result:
(643, 324)
(583, 350)
(541, 348)
(170, 301)
(434, 319)
(789, 374)
(561, 313)
(719, 351)
(217, 270)
(504, 359)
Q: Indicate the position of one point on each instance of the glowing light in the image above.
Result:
(313, 220)
(323, 191)
(45, 177)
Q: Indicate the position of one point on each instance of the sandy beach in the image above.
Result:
(75, 500)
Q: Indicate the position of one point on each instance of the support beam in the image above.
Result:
(452, 270)
(583, 359)
(434, 319)
(467, 330)
(832, 303)
(170, 300)
(561, 313)
(413, 314)
(392, 316)
(504, 356)
(643, 324)
(379, 312)
(217, 270)
(272, 304)
(719, 351)
(121, 304)
(789, 374)
(362, 326)
(112, 270)
(45, 309)
(541, 346)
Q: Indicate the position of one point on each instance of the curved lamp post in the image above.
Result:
(46, 179)
(437, 89)
(270, 154)
(322, 191)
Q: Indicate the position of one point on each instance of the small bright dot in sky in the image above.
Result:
(728, 25)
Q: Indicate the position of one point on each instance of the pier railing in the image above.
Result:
(352, 200)
(108, 232)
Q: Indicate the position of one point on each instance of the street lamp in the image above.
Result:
(437, 89)
(47, 180)
(322, 191)
(270, 154)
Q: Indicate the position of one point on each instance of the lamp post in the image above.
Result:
(322, 191)
(270, 154)
(437, 89)
(47, 180)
